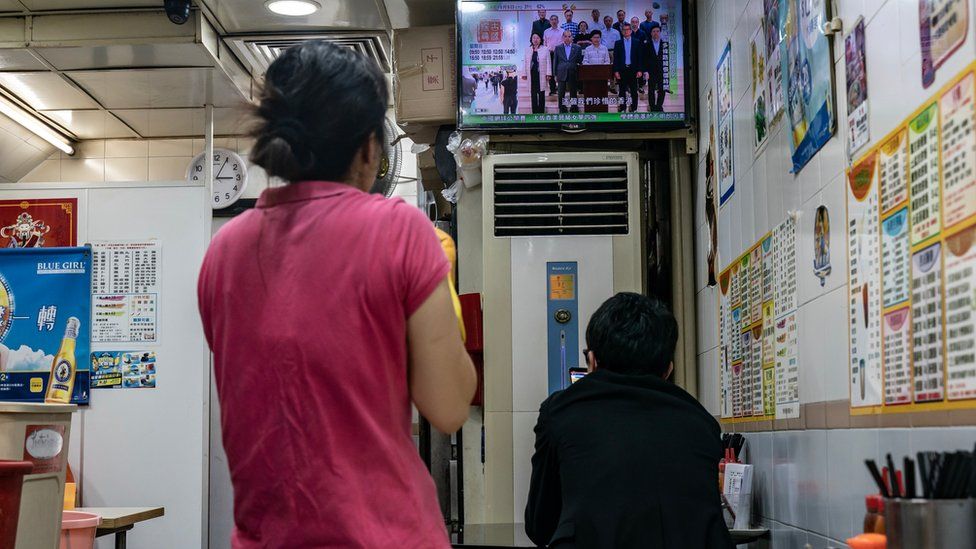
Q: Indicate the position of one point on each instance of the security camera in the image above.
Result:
(178, 11)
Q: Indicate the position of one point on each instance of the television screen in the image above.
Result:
(616, 64)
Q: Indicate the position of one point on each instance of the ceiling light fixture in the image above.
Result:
(35, 125)
(292, 8)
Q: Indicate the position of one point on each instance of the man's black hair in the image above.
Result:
(633, 334)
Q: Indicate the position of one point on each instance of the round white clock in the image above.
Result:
(229, 176)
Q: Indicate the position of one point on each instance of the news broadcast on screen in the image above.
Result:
(601, 64)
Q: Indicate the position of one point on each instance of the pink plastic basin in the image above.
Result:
(78, 529)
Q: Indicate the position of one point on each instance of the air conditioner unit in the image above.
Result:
(561, 234)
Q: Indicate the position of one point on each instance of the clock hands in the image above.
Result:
(222, 168)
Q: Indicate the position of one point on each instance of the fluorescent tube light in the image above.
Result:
(35, 125)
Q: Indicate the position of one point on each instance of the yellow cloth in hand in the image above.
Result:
(447, 243)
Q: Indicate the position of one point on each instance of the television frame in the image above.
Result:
(576, 127)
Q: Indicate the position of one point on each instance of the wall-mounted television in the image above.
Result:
(534, 66)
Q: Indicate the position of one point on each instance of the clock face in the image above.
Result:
(229, 176)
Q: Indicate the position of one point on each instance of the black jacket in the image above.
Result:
(654, 62)
(539, 27)
(625, 461)
(636, 54)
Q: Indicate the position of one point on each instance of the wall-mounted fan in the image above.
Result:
(390, 163)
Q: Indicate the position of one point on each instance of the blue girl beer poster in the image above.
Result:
(45, 315)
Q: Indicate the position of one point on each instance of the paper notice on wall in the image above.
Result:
(864, 276)
(736, 340)
(897, 360)
(784, 268)
(858, 129)
(768, 269)
(923, 146)
(960, 303)
(787, 368)
(958, 152)
(895, 259)
(746, 292)
(927, 324)
(125, 291)
(760, 114)
(123, 369)
(894, 172)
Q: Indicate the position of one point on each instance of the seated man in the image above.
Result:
(624, 458)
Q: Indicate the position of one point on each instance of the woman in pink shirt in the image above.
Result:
(328, 311)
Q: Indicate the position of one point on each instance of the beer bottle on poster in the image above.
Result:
(62, 380)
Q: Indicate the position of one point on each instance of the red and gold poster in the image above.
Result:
(39, 223)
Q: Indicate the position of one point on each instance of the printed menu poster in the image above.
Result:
(784, 261)
(787, 368)
(858, 129)
(745, 376)
(723, 78)
(927, 323)
(897, 360)
(864, 276)
(38, 223)
(895, 264)
(725, 340)
(894, 172)
(757, 371)
(958, 152)
(960, 314)
(746, 293)
(942, 30)
(756, 284)
(784, 308)
(923, 146)
(125, 292)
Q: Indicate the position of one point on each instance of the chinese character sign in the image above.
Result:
(38, 223)
(45, 312)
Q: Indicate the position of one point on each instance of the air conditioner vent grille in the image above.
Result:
(561, 199)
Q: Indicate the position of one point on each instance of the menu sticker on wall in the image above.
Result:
(756, 285)
(894, 172)
(725, 341)
(744, 384)
(958, 151)
(927, 323)
(44, 447)
(784, 266)
(864, 275)
(923, 146)
(746, 292)
(787, 368)
(895, 263)
(897, 360)
(756, 380)
(960, 296)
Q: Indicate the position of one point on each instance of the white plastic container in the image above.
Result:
(38, 433)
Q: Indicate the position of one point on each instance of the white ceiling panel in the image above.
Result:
(19, 60)
(91, 124)
(419, 13)
(10, 5)
(158, 88)
(46, 5)
(239, 16)
(125, 56)
(183, 122)
(45, 91)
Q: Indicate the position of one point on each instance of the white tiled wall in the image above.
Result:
(812, 482)
(166, 160)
